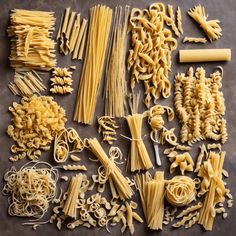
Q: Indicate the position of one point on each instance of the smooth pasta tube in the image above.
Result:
(204, 55)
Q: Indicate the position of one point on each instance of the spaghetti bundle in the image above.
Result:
(138, 156)
(100, 22)
(31, 43)
(115, 95)
(31, 189)
(210, 27)
(74, 189)
(114, 174)
(152, 193)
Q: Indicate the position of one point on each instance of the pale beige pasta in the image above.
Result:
(116, 89)
(150, 189)
(204, 55)
(179, 20)
(194, 40)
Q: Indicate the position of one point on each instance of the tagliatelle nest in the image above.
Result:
(35, 122)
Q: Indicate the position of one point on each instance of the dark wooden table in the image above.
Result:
(224, 10)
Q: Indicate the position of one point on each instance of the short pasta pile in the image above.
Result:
(31, 44)
(35, 123)
(199, 104)
(150, 56)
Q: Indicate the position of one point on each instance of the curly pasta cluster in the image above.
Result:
(35, 122)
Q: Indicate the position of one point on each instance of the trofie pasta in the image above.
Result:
(116, 89)
(30, 189)
(31, 43)
(211, 27)
(35, 123)
(99, 28)
(199, 104)
(150, 56)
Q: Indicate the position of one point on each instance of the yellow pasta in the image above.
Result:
(180, 191)
(35, 123)
(204, 55)
(199, 104)
(152, 192)
(30, 189)
(99, 28)
(150, 59)
(31, 44)
(120, 183)
(26, 83)
(216, 191)
(210, 27)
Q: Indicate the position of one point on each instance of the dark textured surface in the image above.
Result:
(224, 10)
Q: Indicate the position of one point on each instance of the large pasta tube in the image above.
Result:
(202, 55)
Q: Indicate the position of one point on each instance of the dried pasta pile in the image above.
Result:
(35, 123)
(199, 104)
(30, 189)
(99, 28)
(31, 44)
(150, 56)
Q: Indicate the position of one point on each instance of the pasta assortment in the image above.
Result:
(150, 56)
(199, 104)
(35, 123)
(99, 28)
(31, 44)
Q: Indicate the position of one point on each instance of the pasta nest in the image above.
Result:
(30, 189)
(180, 191)
(35, 123)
